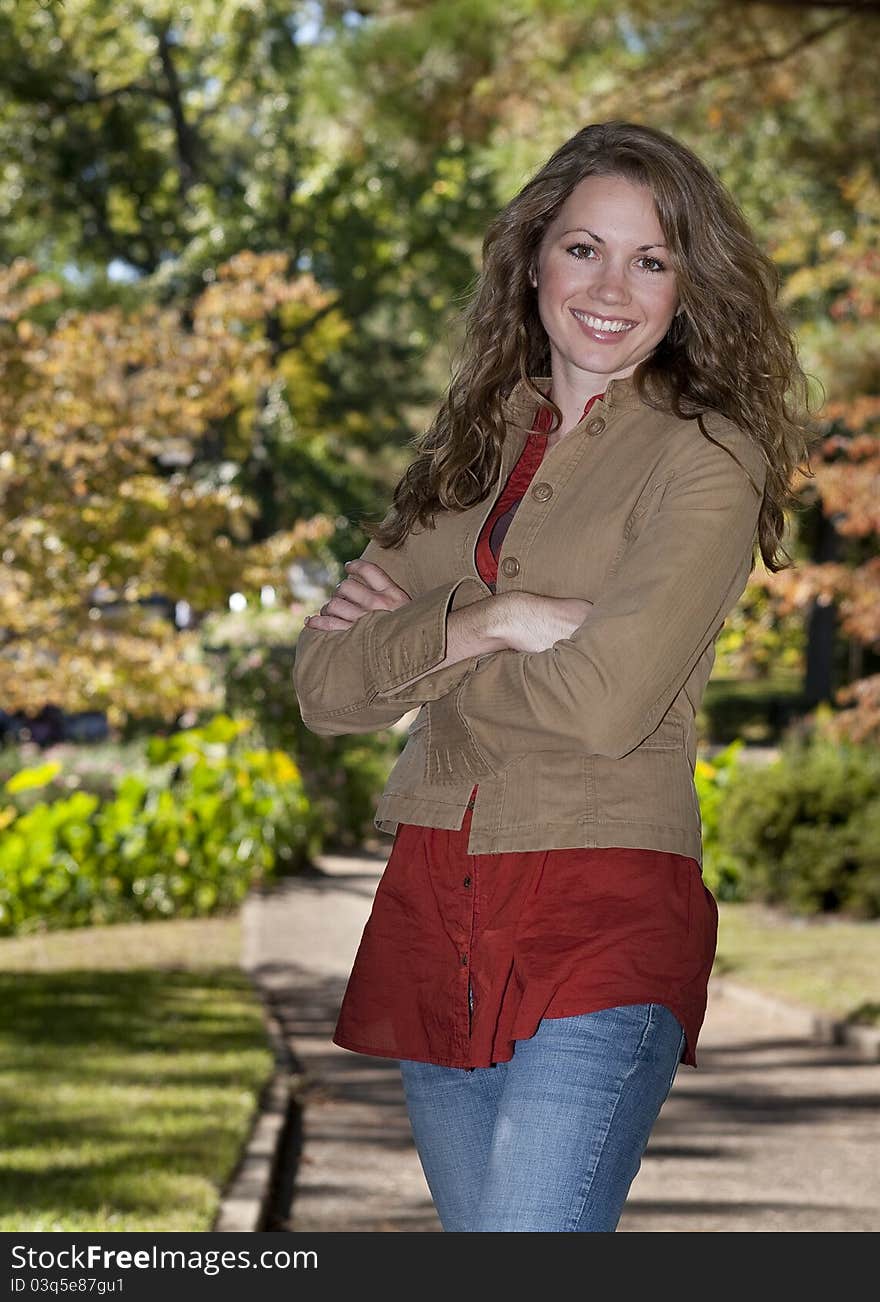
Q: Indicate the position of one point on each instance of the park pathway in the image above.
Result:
(770, 1133)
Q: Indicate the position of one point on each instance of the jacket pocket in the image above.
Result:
(668, 735)
(546, 788)
(647, 503)
(652, 784)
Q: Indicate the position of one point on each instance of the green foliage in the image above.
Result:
(758, 710)
(189, 837)
(805, 830)
(721, 870)
(757, 641)
(343, 776)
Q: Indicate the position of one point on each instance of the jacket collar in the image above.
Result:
(519, 405)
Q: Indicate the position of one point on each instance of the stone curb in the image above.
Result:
(244, 1203)
(245, 1200)
(819, 1028)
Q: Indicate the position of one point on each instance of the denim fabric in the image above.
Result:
(551, 1140)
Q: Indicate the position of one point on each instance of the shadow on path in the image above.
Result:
(770, 1133)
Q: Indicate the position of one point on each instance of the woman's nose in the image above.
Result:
(610, 285)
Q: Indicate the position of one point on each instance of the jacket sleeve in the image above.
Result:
(607, 686)
(339, 675)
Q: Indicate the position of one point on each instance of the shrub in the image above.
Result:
(713, 779)
(190, 837)
(343, 777)
(804, 830)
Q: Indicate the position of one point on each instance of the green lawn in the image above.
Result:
(131, 1059)
(832, 966)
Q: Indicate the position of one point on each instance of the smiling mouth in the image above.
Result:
(604, 325)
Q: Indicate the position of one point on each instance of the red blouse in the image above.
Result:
(463, 954)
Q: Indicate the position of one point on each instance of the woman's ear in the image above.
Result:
(533, 279)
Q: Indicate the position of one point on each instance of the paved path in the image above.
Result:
(770, 1133)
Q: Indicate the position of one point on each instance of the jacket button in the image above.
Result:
(510, 567)
(596, 425)
(542, 492)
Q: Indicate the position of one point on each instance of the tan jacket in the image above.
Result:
(591, 742)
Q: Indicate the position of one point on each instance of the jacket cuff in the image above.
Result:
(415, 639)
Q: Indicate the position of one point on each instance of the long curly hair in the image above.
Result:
(729, 350)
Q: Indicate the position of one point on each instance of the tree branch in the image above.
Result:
(187, 145)
(853, 6)
(759, 61)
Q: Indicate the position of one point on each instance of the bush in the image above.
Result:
(207, 820)
(713, 779)
(343, 777)
(804, 830)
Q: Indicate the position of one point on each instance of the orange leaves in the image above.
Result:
(21, 292)
(850, 486)
(859, 721)
(854, 589)
(251, 286)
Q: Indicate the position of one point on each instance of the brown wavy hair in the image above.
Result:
(729, 350)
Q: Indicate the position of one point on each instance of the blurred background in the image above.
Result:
(235, 242)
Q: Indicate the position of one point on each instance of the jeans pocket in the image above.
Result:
(673, 1039)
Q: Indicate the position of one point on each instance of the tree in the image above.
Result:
(372, 142)
(106, 501)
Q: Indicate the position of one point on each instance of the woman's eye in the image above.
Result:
(577, 251)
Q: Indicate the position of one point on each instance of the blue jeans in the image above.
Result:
(551, 1140)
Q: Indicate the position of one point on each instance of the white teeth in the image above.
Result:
(596, 323)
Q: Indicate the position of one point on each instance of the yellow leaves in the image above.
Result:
(268, 560)
(862, 189)
(33, 778)
(21, 292)
(90, 528)
(147, 490)
(807, 282)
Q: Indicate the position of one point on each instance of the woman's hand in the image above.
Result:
(529, 622)
(366, 587)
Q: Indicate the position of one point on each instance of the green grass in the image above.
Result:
(131, 1060)
(827, 964)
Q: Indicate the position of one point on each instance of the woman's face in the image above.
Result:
(606, 289)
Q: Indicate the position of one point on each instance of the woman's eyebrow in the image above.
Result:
(643, 248)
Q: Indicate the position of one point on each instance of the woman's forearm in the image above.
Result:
(474, 630)
(514, 621)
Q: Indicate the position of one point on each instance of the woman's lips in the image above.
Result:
(602, 336)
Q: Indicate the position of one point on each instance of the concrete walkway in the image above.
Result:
(770, 1133)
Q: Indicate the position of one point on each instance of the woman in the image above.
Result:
(548, 586)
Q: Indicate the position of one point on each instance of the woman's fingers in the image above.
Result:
(327, 623)
(375, 578)
(366, 587)
(340, 606)
(342, 613)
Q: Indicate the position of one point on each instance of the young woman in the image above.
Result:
(548, 586)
